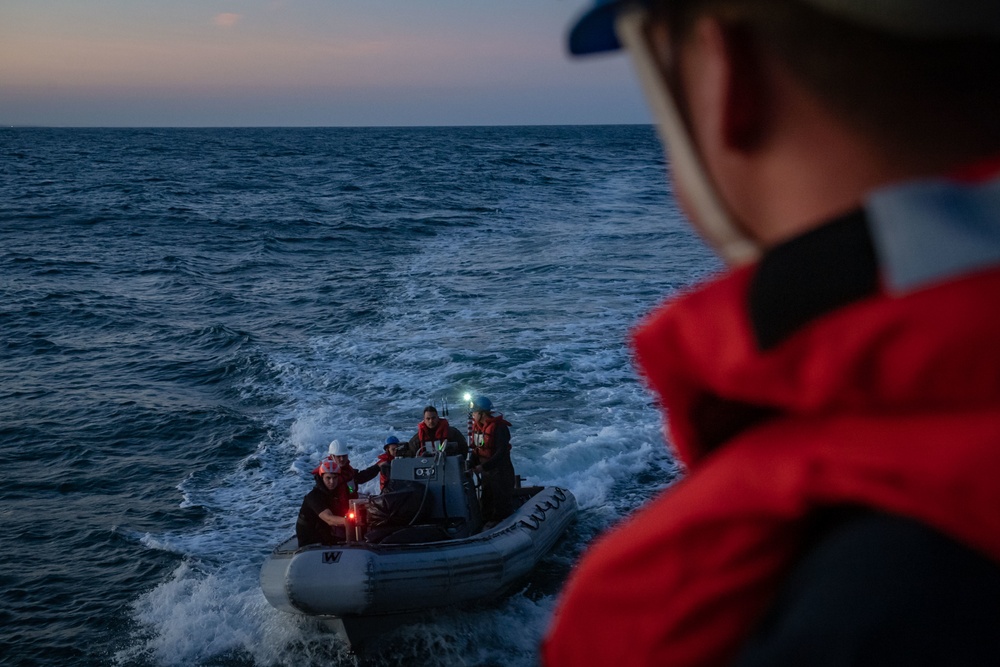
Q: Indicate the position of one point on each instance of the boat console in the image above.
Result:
(427, 499)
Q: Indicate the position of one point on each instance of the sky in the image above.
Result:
(238, 63)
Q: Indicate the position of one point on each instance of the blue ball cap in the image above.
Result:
(594, 32)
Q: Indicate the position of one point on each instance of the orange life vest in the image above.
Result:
(347, 474)
(432, 442)
(382, 478)
(483, 436)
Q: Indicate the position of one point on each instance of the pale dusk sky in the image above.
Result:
(145, 63)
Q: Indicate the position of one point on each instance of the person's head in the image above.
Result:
(328, 472)
(482, 408)
(340, 453)
(431, 418)
(391, 445)
(919, 78)
(792, 108)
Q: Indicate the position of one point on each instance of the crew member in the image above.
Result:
(491, 459)
(384, 462)
(321, 517)
(433, 434)
(350, 478)
(835, 394)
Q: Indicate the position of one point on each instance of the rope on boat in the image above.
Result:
(558, 498)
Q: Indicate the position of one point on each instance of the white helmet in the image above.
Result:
(338, 449)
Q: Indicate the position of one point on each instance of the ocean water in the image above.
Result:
(189, 316)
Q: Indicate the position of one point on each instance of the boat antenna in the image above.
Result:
(468, 399)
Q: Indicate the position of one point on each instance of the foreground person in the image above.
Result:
(835, 395)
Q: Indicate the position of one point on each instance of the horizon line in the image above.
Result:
(303, 127)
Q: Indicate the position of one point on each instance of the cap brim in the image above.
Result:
(594, 32)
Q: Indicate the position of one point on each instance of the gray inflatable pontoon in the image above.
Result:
(427, 551)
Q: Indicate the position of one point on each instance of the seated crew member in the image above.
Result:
(433, 433)
(491, 459)
(350, 477)
(321, 517)
(384, 461)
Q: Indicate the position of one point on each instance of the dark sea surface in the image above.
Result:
(189, 316)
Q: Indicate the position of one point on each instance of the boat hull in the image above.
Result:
(353, 580)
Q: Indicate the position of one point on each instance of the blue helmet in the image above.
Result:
(481, 403)
(391, 440)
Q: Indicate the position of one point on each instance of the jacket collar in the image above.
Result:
(816, 327)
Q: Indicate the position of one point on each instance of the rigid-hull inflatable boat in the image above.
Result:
(427, 551)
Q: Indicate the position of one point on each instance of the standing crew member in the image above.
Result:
(491, 459)
(835, 395)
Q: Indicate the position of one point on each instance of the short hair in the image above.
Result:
(430, 408)
(916, 97)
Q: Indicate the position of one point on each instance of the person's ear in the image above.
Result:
(744, 93)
